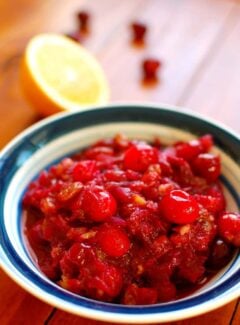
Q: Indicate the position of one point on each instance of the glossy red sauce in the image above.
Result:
(129, 222)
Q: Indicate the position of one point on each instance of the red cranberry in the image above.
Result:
(83, 19)
(192, 266)
(179, 207)
(68, 191)
(206, 142)
(84, 170)
(229, 227)
(35, 233)
(98, 203)
(139, 296)
(189, 150)
(73, 285)
(150, 69)
(144, 225)
(105, 281)
(161, 246)
(139, 156)
(208, 166)
(139, 31)
(113, 241)
(166, 291)
(220, 254)
(121, 194)
(76, 253)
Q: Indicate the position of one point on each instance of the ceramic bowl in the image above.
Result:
(61, 135)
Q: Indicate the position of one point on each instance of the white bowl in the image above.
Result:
(61, 135)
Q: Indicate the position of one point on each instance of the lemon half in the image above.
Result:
(58, 74)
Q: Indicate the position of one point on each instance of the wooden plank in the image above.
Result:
(220, 316)
(180, 34)
(19, 307)
(61, 317)
(216, 89)
(14, 109)
(236, 315)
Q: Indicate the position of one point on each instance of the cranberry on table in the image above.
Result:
(83, 20)
(98, 203)
(179, 207)
(139, 31)
(150, 69)
(139, 156)
(229, 228)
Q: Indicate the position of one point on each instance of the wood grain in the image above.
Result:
(236, 315)
(220, 316)
(19, 307)
(215, 91)
(198, 43)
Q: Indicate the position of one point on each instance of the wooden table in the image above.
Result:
(198, 43)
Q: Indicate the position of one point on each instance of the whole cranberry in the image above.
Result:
(150, 68)
(179, 207)
(191, 149)
(208, 166)
(98, 203)
(113, 241)
(139, 156)
(229, 228)
(138, 32)
(83, 20)
(220, 254)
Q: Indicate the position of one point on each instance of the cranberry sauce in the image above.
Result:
(130, 222)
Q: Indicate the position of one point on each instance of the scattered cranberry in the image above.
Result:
(83, 20)
(229, 228)
(139, 32)
(207, 165)
(98, 204)
(139, 156)
(113, 241)
(179, 207)
(150, 69)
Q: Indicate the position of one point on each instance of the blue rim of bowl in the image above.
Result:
(49, 129)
